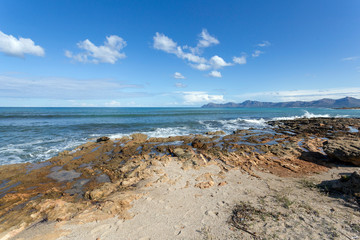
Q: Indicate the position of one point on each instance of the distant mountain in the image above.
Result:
(347, 102)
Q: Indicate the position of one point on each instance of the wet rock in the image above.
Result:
(242, 132)
(102, 139)
(201, 144)
(215, 133)
(345, 150)
(63, 176)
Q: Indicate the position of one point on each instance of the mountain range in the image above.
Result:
(347, 102)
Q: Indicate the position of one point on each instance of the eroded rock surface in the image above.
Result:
(346, 150)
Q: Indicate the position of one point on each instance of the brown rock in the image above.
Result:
(139, 137)
(102, 139)
(345, 150)
(222, 183)
(203, 185)
(215, 133)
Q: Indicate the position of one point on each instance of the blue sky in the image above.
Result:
(176, 53)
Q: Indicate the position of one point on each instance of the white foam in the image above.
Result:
(158, 132)
(305, 115)
(37, 150)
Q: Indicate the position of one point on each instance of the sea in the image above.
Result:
(37, 134)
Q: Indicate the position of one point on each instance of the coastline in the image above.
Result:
(100, 181)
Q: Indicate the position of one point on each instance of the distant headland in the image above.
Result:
(343, 103)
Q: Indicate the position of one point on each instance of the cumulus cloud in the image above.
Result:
(206, 40)
(197, 97)
(350, 58)
(239, 60)
(192, 54)
(201, 66)
(178, 75)
(304, 95)
(164, 43)
(215, 74)
(12, 46)
(110, 52)
(264, 44)
(217, 62)
(256, 53)
(180, 85)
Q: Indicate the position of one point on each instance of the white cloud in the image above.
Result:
(215, 74)
(110, 52)
(206, 40)
(164, 43)
(113, 103)
(350, 58)
(264, 44)
(303, 95)
(191, 54)
(217, 62)
(257, 53)
(180, 85)
(178, 75)
(201, 66)
(19, 47)
(239, 60)
(197, 97)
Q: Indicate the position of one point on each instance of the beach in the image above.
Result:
(285, 180)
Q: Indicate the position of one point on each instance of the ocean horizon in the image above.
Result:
(33, 134)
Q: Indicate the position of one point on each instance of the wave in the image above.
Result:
(36, 150)
(308, 115)
(158, 132)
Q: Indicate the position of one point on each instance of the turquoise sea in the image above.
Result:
(36, 134)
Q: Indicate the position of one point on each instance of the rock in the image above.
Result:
(197, 143)
(241, 132)
(345, 150)
(180, 153)
(347, 184)
(215, 133)
(139, 137)
(63, 176)
(222, 183)
(203, 185)
(102, 139)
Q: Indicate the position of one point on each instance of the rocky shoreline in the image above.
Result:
(100, 180)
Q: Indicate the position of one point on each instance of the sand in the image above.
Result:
(198, 204)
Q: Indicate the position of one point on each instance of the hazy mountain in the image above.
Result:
(347, 102)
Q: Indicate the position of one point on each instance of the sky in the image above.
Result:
(176, 53)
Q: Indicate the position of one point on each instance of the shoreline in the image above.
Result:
(101, 180)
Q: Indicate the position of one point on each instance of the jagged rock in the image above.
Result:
(241, 132)
(197, 143)
(102, 139)
(139, 137)
(345, 150)
(179, 152)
